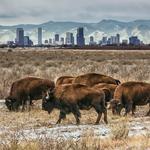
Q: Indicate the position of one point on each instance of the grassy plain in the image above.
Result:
(51, 64)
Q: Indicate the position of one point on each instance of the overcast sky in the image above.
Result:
(39, 11)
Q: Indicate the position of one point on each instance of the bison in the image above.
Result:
(64, 80)
(108, 89)
(91, 79)
(128, 95)
(27, 89)
(70, 98)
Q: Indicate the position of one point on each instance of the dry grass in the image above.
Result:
(124, 65)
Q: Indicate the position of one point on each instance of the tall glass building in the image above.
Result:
(20, 37)
(40, 36)
(80, 37)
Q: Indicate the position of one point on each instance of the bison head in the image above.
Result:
(116, 106)
(48, 101)
(9, 103)
(12, 104)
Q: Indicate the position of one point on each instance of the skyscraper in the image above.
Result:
(56, 37)
(69, 38)
(62, 40)
(92, 41)
(134, 40)
(104, 40)
(80, 37)
(26, 40)
(20, 37)
(40, 36)
(117, 39)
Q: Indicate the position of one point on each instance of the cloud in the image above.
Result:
(36, 11)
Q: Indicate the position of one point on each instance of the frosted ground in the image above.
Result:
(136, 127)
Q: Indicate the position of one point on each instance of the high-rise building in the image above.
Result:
(125, 42)
(40, 36)
(69, 38)
(104, 40)
(46, 42)
(118, 39)
(62, 40)
(92, 41)
(80, 37)
(133, 40)
(27, 41)
(20, 37)
(50, 41)
(56, 37)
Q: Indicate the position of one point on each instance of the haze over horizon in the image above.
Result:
(40, 11)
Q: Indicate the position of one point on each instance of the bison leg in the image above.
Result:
(23, 105)
(128, 108)
(148, 113)
(133, 109)
(99, 111)
(15, 106)
(105, 116)
(77, 114)
(62, 115)
(98, 118)
(29, 102)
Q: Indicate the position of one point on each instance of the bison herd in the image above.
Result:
(71, 94)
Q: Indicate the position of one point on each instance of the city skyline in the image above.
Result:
(40, 11)
(22, 40)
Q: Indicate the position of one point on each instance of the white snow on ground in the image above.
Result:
(2, 103)
(138, 126)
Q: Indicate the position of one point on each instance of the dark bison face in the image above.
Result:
(116, 107)
(8, 103)
(12, 104)
(48, 102)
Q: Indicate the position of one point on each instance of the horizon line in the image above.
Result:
(71, 21)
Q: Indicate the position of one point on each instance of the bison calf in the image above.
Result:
(129, 95)
(70, 98)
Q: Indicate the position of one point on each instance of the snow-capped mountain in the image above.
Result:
(140, 28)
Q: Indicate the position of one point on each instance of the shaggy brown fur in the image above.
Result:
(91, 79)
(130, 94)
(64, 80)
(72, 97)
(108, 89)
(27, 89)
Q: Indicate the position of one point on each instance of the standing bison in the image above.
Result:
(27, 89)
(129, 95)
(108, 89)
(91, 79)
(70, 98)
(64, 80)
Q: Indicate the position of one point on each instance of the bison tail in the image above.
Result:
(117, 82)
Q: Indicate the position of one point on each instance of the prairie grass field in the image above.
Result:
(36, 130)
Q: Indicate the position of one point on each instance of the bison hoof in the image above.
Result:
(106, 122)
(77, 123)
(96, 123)
(58, 122)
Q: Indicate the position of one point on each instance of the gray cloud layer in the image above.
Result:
(36, 11)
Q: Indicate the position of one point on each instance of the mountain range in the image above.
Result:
(140, 28)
